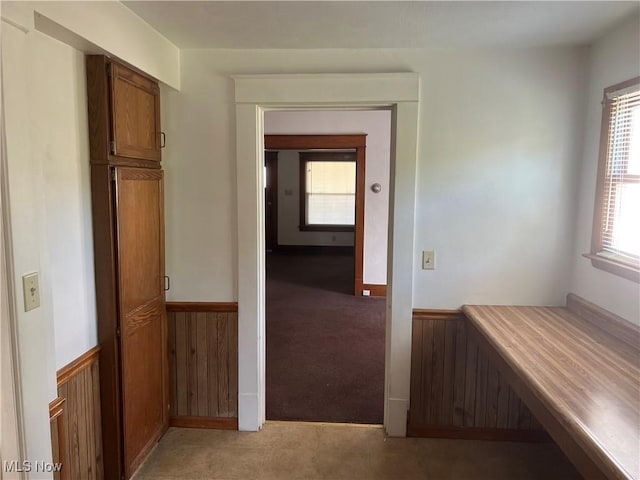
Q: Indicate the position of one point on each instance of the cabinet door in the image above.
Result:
(143, 336)
(135, 115)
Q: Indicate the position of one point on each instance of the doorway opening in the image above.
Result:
(325, 341)
(255, 96)
(326, 185)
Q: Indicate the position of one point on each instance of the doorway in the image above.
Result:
(271, 200)
(347, 148)
(256, 93)
(316, 316)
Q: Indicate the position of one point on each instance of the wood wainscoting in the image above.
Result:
(203, 364)
(57, 419)
(455, 391)
(78, 423)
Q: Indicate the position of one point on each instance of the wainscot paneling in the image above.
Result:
(455, 391)
(203, 349)
(57, 419)
(81, 440)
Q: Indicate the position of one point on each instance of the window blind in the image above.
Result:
(331, 192)
(620, 223)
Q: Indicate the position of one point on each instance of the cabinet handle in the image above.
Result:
(163, 140)
(167, 283)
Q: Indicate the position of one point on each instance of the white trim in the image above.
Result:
(11, 411)
(305, 89)
(254, 95)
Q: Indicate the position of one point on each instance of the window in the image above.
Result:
(327, 191)
(615, 244)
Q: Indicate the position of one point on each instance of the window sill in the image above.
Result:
(326, 228)
(617, 268)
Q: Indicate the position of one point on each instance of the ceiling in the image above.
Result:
(380, 24)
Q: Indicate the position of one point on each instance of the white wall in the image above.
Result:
(499, 132)
(496, 178)
(62, 148)
(47, 139)
(26, 182)
(613, 58)
(377, 125)
(102, 27)
(48, 164)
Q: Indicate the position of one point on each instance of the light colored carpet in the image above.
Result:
(292, 450)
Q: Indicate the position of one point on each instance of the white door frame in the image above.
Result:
(254, 94)
(11, 416)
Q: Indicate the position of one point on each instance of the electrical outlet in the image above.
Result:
(366, 293)
(31, 291)
(429, 260)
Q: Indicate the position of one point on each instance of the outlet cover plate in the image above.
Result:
(31, 290)
(429, 260)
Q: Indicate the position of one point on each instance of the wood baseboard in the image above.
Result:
(475, 433)
(375, 290)
(202, 306)
(437, 314)
(219, 423)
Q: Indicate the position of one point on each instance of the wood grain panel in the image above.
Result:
(582, 383)
(204, 364)
(456, 392)
(142, 313)
(135, 114)
(305, 142)
(202, 307)
(79, 386)
(217, 423)
(57, 419)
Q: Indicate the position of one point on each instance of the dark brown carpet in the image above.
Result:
(325, 347)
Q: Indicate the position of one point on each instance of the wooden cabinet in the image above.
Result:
(124, 115)
(128, 230)
(135, 105)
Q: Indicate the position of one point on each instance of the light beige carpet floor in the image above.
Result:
(288, 450)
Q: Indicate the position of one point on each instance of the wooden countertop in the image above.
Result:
(583, 384)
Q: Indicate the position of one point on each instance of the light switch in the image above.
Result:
(31, 291)
(428, 260)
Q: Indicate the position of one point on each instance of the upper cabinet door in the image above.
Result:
(135, 115)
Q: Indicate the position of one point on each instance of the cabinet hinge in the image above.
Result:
(117, 331)
(108, 69)
(112, 146)
(113, 174)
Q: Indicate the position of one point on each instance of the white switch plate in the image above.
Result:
(31, 291)
(429, 260)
